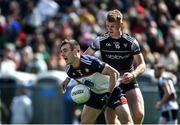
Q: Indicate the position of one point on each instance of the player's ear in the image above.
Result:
(121, 26)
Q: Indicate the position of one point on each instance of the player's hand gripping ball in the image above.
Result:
(80, 94)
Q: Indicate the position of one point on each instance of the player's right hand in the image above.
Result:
(126, 78)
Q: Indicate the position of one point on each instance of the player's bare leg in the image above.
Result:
(89, 115)
(124, 114)
(111, 117)
(136, 105)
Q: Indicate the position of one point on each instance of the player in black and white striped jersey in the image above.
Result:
(168, 99)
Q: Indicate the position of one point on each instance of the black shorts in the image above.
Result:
(170, 115)
(116, 99)
(126, 87)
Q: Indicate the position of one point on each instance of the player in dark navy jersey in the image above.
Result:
(121, 51)
(100, 78)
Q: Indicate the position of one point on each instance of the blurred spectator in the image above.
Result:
(53, 63)
(48, 8)
(13, 29)
(50, 34)
(66, 31)
(33, 17)
(175, 30)
(8, 63)
(155, 38)
(56, 63)
(149, 58)
(85, 40)
(137, 19)
(21, 40)
(2, 24)
(101, 16)
(173, 7)
(37, 64)
(169, 59)
(88, 22)
(55, 48)
(26, 57)
(14, 9)
(41, 48)
(21, 108)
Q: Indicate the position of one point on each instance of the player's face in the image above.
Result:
(67, 53)
(113, 28)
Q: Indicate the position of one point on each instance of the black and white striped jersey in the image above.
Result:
(171, 104)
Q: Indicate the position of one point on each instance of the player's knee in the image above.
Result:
(138, 117)
(82, 121)
(110, 117)
(85, 122)
(139, 114)
(111, 121)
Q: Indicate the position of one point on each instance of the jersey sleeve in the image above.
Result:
(68, 71)
(135, 47)
(95, 45)
(166, 81)
(97, 65)
(163, 82)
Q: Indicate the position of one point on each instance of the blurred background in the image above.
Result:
(31, 68)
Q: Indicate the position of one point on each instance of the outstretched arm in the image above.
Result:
(108, 70)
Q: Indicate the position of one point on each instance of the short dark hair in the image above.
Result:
(73, 43)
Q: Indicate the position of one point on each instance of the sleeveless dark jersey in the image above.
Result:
(117, 52)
